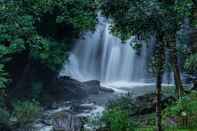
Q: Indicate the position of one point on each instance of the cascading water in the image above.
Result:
(102, 56)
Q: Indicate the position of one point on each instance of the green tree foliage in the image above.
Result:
(141, 17)
(191, 64)
(43, 30)
(22, 26)
(38, 31)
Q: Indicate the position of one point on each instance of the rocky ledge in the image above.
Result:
(74, 89)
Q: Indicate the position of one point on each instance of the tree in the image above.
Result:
(40, 32)
(154, 17)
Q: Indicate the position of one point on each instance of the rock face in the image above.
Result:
(74, 89)
(92, 87)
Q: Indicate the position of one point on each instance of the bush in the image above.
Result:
(191, 64)
(125, 103)
(117, 120)
(183, 112)
(116, 116)
(26, 112)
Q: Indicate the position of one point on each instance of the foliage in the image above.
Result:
(184, 109)
(141, 17)
(49, 52)
(183, 8)
(37, 23)
(115, 117)
(39, 31)
(191, 63)
(26, 111)
(80, 17)
(117, 120)
(125, 103)
(3, 77)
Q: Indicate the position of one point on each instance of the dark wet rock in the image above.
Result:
(92, 87)
(108, 90)
(73, 89)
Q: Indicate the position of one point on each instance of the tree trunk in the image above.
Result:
(175, 66)
(160, 61)
(158, 102)
(176, 70)
(25, 74)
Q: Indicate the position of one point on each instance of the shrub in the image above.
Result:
(191, 64)
(125, 103)
(183, 112)
(26, 111)
(117, 120)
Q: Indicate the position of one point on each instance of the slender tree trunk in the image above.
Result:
(158, 102)
(175, 66)
(160, 61)
(176, 70)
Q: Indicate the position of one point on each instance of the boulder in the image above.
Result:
(107, 90)
(73, 89)
(92, 87)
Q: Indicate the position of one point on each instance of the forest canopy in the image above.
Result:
(35, 27)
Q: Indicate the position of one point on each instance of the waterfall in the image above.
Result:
(101, 56)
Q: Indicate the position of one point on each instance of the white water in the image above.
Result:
(101, 56)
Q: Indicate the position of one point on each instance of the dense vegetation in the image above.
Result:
(36, 35)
